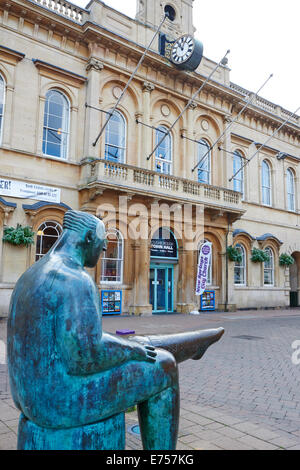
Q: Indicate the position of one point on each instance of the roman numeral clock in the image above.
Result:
(185, 53)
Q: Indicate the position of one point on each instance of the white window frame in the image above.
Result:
(57, 227)
(162, 161)
(3, 107)
(266, 186)
(205, 166)
(64, 146)
(120, 238)
(270, 268)
(122, 134)
(239, 179)
(242, 266)
(290, 181)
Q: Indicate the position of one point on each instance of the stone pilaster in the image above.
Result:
(141, 306)
(147, 132)
(93, 117)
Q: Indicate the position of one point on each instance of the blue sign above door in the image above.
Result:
(164, 245)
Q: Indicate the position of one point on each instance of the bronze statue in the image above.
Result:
(66, 374)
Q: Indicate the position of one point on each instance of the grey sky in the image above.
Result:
(263, 36)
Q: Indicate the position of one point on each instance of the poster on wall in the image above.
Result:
(23, 190)
(111, 302)
(203, 266)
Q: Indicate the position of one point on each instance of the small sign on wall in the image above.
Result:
(24, 190)
(111, 302)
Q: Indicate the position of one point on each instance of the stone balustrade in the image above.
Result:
(127, 177)
(267, 105)
(65, 8)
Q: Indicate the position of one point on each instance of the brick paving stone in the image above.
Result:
(284, 442)
(204, 445)
(230, 432)
(8, 441)
(257, 444)
(226, 443)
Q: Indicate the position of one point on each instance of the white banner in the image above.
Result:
(203, 266)
(25, 190)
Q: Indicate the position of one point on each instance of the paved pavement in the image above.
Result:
(243, 394)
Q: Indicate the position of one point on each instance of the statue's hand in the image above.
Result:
(142, 352)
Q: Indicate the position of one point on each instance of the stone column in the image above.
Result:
(93, 117)
(39, 134)
(140, 158)
(147, 132)
(226, 169)
(189, 160)
(141, 306)
(186, 282)
(227, 282)
(8, 117)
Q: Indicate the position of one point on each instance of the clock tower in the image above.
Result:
(180, 12)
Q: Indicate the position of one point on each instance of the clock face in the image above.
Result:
(182, 50)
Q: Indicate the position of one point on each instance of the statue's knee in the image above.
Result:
(168, 364)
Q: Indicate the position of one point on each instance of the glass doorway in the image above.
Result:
(161, 288)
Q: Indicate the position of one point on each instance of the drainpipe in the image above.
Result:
(226, 266)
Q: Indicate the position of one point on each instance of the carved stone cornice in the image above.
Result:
(94, 64)
(148, 86)
(52, 71)
(193, 105)
(10, 55)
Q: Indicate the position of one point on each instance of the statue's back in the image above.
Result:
(32, 350)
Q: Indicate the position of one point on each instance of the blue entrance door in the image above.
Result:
(161, 289)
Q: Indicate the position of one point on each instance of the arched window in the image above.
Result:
(47, 235)
(210, 268)
(163, 154)
(56, 125)
(112, 260)
(269, 268)
(204, 169)
(266, 183)
(115, 138)
(238, 180)
(240, 274)
(290, 185)
(2, 98)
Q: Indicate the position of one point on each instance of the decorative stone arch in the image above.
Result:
(199, 117)
(40, 212)
(6, 75)
(132, 91)
(160, 99)
(62, 88)
(244, 238)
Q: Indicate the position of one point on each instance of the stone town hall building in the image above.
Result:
(62, 69)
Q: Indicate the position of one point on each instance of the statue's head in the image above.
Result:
(91, 234)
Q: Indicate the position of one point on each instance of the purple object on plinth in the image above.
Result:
(125, 332)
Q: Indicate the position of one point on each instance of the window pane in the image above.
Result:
(112, 261)
(238, 180)
(56, 125)
(47, 234)
(204, 166)
(115, 138)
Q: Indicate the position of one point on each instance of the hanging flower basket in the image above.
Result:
(286, 260)
(259, 256)
(18, 236)
(234, 254)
